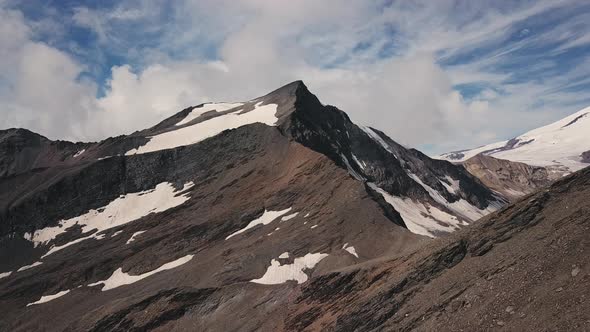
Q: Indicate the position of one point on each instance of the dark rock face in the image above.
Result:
(575, 120)
(586, 157)
(314, 161)
(22, 151)
(372, 156)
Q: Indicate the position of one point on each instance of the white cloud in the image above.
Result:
(236, 50)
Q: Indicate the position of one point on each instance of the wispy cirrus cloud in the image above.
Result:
(439, 75)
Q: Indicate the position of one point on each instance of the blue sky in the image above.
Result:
(436, 75)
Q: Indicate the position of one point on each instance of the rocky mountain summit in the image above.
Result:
(278, 212)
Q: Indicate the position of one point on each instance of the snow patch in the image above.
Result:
(55, 249)
(193, 134)
(197, 112)
(289, 217)
(454, 185)
(361, 163)
(132, 238)
(278, 274)
(117, 233)
(420, 218)
(350, 250)
(351, 170)
(48, 298)
(26, 267)
(378, 139)
(284, 255)
(266, 218)
(79, 153)
(120, 211)
(460, 207)
(120, 278)
(314, 226)
(5, 274)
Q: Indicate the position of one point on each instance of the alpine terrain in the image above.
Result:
(510, 178)
(280, 213)
(562, 146)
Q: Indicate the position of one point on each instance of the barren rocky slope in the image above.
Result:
(524, 268)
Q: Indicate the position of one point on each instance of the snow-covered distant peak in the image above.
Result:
(559, 145)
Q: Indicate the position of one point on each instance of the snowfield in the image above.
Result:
(193, 134)
(558, 144)
(420, 218)
(460, 207)
(120, 211)
(278, 274)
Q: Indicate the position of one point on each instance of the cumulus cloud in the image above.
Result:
(395, 66)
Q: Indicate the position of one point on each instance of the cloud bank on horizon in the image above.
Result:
(438, 75)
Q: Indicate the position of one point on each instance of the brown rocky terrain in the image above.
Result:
(511, 179)
(299, 224)
(524, 268)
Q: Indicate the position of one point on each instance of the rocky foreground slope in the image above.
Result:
(523, 268)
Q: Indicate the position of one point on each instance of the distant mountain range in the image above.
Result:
(562, 146)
